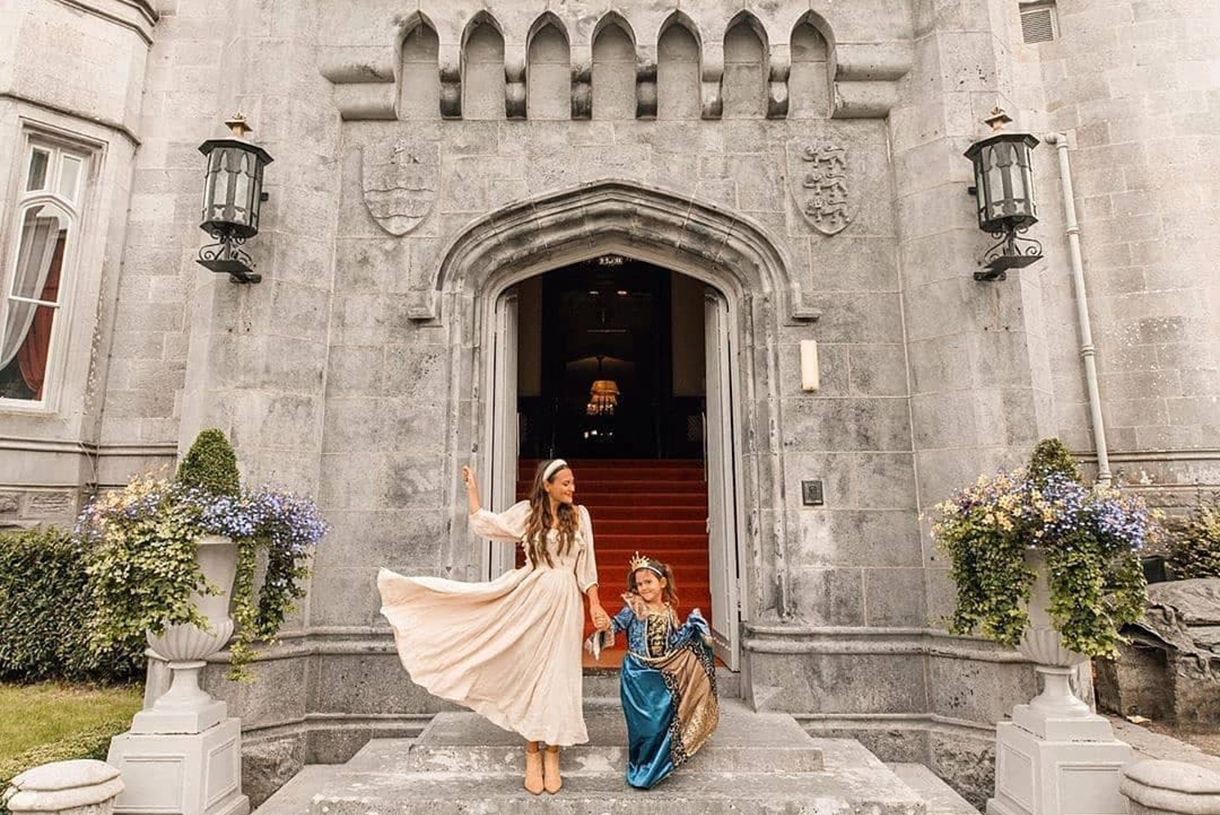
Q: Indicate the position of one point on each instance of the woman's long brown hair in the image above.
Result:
(540, 519)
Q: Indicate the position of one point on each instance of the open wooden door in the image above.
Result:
(505, 442)
(721, 480)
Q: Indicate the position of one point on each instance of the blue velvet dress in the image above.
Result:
(668, 689)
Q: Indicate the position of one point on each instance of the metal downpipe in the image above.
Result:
(1087, 351)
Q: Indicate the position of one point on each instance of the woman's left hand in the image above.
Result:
(601, 620)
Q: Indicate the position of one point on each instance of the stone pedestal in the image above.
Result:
(1055, 756)
(182, 773)
(182, 755)
(1040, 775)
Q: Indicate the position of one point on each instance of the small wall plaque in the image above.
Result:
(811, 493)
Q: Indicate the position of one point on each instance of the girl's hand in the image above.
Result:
(601, 620)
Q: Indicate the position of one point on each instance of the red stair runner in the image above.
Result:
(658, 508)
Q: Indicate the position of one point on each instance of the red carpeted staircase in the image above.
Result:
(658, 508)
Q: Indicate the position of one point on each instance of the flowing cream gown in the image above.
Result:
(509, 649)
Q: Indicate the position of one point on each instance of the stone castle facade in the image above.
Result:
(428, 155)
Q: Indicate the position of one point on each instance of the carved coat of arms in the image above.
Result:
(400, 182)
(817, 175)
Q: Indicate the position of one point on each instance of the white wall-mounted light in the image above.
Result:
(810, 378)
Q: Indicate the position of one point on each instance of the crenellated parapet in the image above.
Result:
(868, 48)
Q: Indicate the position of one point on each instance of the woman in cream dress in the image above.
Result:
(510, 649)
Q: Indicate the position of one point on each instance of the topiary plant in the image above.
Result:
(210, 465)
(1051, 457)
(1195, 549)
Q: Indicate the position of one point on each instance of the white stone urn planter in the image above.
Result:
(1056, 756)
(185, 707)
(1043, 646)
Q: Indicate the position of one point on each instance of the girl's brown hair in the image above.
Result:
(669, 593)
(540, 519)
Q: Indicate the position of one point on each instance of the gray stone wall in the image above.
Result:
(1132, 84)
(426, 159)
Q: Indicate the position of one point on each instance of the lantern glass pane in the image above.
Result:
(1026, 180)
(996, 188)
(212, 181)
(241, 189)
(256, 193)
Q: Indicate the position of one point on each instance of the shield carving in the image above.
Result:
(400, 182)
(817, 177)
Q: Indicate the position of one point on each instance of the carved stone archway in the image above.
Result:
(725, 250)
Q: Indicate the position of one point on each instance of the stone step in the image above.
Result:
(744, 742)
(822, 793)
(941, 799)
(381, 779)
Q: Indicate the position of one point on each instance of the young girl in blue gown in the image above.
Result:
(668, 679)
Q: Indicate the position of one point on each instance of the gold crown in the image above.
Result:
(640, 562)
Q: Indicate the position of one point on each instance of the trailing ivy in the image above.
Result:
(286, 526)
(987, 554)
(141, 561)
(1091, 539)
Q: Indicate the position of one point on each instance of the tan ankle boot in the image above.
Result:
(551, 770)
(533, 771)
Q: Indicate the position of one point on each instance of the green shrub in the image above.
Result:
(1195, 550)
(92, 743)
(1051, 457)
(45, 606)
(211, 465)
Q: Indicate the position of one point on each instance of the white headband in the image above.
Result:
(552, 468)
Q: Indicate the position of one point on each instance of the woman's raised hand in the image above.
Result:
(472, 489)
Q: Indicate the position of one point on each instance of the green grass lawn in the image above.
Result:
(31, 715)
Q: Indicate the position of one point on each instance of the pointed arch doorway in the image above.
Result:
(658, 462)
(727, 251)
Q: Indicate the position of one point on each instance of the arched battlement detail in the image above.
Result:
(869, 52)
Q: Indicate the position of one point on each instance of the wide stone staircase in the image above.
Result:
(755, 763)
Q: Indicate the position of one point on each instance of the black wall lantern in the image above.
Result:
(1004, 188)
(232, 196)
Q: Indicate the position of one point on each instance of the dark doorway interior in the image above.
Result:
(615, 367)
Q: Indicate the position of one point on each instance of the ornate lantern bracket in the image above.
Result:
(1004, 188)
(232, 200)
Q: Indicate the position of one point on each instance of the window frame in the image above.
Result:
(59, 146)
